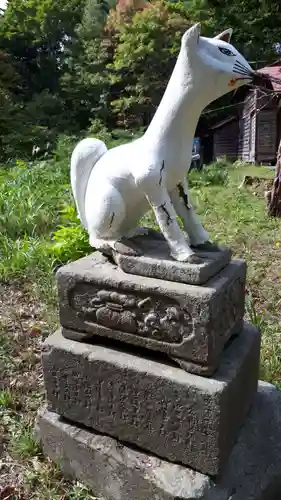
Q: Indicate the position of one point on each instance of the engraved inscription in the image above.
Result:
(154, 317)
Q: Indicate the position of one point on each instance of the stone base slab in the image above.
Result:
(117, 472)
(156, 262)
(146, 402)
(184, 321)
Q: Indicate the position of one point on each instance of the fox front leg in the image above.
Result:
(160, 201)
(199, 238)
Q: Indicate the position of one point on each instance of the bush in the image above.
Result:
(240, 164)
(98, 130)
(30, 196)
(121, 136)
(64, 147)
(70, 240)
(215, 174)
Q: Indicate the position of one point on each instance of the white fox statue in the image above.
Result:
(114, 188)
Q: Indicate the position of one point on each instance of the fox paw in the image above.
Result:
(208, 246)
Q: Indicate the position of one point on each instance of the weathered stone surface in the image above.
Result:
(254, 469)
(117, 472)
(161, 408)
(156, 262)
(202, 370)
(184, 321)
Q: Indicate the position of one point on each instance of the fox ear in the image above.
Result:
(225, 36)
(191, 36)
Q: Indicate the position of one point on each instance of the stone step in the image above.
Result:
(182, 417)
(185, 321)
(115, 471)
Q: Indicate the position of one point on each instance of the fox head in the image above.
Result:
(213, 65)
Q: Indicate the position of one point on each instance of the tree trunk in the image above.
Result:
(274, 205)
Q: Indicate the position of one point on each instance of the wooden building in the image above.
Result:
(226, 138)
(253, 134)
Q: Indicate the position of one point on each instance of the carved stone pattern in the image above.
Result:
(154, 317)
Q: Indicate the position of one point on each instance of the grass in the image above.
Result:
(25, 445)
(38, 232)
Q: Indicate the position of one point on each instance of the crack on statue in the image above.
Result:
(183, 195)
(161, 172)
(164, 209)
(112, 219)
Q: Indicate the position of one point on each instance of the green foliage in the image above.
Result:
(66, 64)
(94, 18)
(70, 240)
(25, 258)
(63, 150)
(151, 40)
(255, 317)
(6, 398)
(98, 130)
(9, 78)
(215, 174)
(29, 198)
(25, 444)
(120, 136)
(35, 31)
(34, 36)
(79, 492)
(256, 37)
(85, 82)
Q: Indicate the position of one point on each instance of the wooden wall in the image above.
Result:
(225, 142)
(266, 146)
(258, 129)
(253, 137)
(247, 128)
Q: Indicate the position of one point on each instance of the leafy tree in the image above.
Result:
(94, 18)
(256, 24)
(144, 58)
(33, 38)
(85, 82)
(67, 64)
(34, 33)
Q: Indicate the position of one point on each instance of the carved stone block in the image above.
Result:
(189, 322)
(116, 471)
(156, 406)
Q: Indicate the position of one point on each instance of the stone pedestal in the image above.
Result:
(154, 361)
(116, 471)
(154, 405)
(185, 321)
(156, 262)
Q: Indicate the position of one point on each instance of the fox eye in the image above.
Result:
(226, 51)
